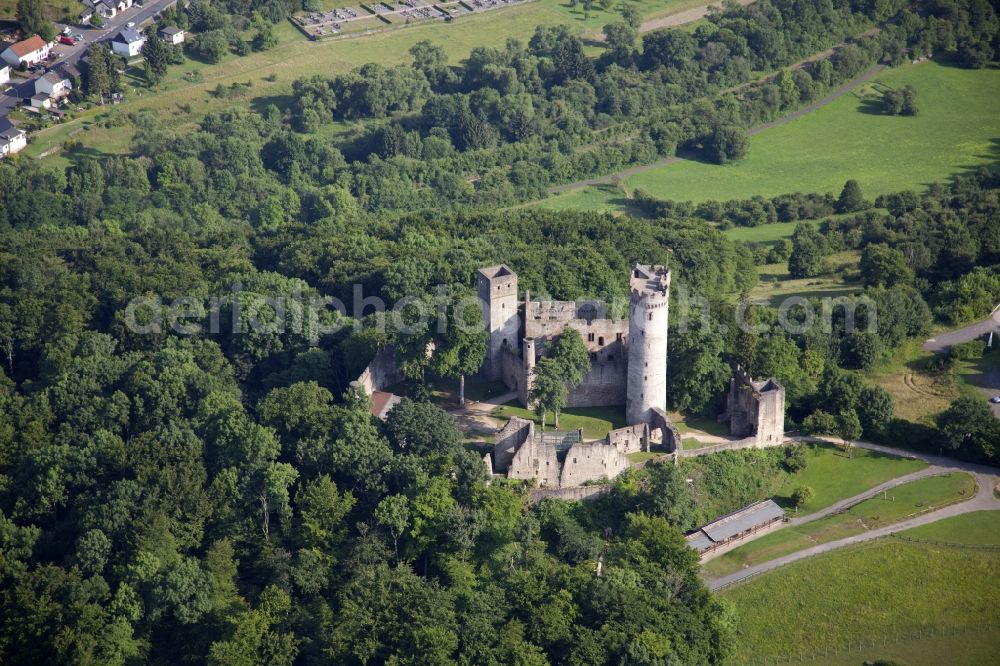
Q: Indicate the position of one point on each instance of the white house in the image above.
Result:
(12, 140)
(128, 42)
(86, 15)
(171, 35)
(30, 51)
(41, 101)
(53, 84)
(4, 74)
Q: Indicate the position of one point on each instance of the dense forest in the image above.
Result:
(215, 493)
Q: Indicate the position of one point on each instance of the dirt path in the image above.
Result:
(836, 94)
(986, 477)
(673, 20)
(476, 417)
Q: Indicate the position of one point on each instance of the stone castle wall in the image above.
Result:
(630, 439)
(591, 461)
(382, 371)
(508, 439)
(755, 409)
(535, 460)
(603, 386)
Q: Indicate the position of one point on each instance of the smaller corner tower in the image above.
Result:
(497, 290)
(649, 299)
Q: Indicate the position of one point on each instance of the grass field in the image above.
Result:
(595, 421)
(829, 472)
(872, 592)
(776, 284)
(904, 501)
(833, 476)
(921, 392)
(957, 129)
(980, 527)
(56, 10)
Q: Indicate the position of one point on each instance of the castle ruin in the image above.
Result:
(628, 367)
(755, 409)
(628, 357)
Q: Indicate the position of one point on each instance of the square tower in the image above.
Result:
(497, 289)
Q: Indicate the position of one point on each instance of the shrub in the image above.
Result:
(802, 495)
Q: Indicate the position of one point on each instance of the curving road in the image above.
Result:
(987, 479)
(989, 382)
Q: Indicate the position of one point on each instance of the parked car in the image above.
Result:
(130, 24)
(67, 30)
(78, 37)
(66, 39)
(995, 399)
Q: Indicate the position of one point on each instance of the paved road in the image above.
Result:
(839, 92)
(966, 334)
(988, 383)
(986, 477)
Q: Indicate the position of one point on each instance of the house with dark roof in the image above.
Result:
(171, 35)
(28, 52)
(104, 8)
(128, 42)
(12, 139)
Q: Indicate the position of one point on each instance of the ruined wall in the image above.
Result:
(534, 460)
(662, 426)
(382, 371)
(771, 415)
(514, 433)
(756, 409)
(512, 373)
(603, 386)
(630, 439)
(591, 461)
(536, 495)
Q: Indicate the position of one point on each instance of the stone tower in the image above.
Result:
(649, 299)
(497, 290)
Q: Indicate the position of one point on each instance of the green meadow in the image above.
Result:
(886, 591)
(956, 129)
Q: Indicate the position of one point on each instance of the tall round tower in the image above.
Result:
(649, 300)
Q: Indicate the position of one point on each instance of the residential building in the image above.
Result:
(53, 84)
(4, 74)
(104, 8)
(28, 52)
(12, 140)
(41, 101)
(128, 42)
(171, 35)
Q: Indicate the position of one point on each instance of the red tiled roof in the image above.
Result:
(29, 45)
